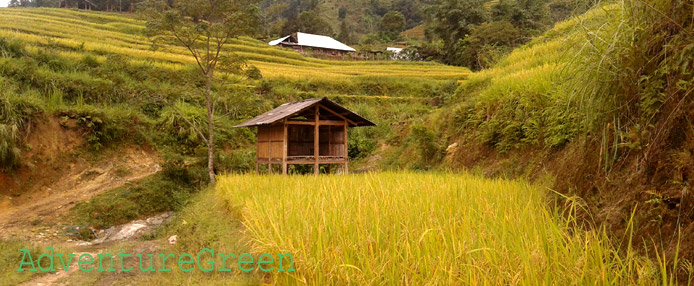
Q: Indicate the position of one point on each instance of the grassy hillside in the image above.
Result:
(78, 32)
(68, 62)
(602, 102)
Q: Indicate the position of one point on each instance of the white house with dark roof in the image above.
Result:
(303, 42)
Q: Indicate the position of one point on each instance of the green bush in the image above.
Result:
(253, 72)
(426, 143)
(11, 48)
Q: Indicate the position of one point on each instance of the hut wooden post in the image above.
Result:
(284, 148)
(316, 144)
(346, 168)
(269, 156)
(330, 147)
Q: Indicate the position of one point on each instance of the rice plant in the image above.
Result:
(424, 229)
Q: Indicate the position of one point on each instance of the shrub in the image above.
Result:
(11, 48)
(253, 72)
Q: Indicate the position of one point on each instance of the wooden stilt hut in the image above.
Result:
(311, 131)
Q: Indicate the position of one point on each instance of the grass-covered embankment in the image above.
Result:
(102, 70)
(409, 228)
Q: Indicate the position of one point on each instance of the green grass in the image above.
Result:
(423, 229)
(10, 257)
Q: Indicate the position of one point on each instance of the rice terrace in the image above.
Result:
(346, 142)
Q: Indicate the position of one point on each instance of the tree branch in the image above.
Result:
(190, 48)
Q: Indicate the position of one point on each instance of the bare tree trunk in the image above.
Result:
(210, 128)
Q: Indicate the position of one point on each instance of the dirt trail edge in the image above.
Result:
(34, 215)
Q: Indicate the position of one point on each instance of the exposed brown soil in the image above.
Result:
(57, 174)
(54, 278)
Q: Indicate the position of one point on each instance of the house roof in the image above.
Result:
(316, 41)
(289, 109)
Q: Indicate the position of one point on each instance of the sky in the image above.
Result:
(3, 3)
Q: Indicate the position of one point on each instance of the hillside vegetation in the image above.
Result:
(77, 64)
(602, 102)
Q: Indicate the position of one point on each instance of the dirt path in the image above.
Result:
(35, 215)
(53, 278)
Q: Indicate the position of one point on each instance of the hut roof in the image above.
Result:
(311, 40)
(289, 109)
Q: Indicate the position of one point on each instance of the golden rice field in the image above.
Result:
(423, 229)
(75, 32)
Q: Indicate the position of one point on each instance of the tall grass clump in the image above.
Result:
(423, 229)
(634, 79)
(14, 115)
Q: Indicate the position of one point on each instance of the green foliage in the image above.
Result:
(360, 145)
(253, 72)
(103, 128)
(11, 48)
(307, 22)
(9, 152)
(345, 33)
(236, 161)
(476, 34)
(529, 16)
(637, 83)
(487, 42)
(452, 21)
(392, 24)
(411, 10)
(15, 113)
(425, 141)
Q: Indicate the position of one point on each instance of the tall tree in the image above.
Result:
(204, 28)
(410, 9)
(308, 22)
(392, 24)
(345, 34)
(452, 21)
